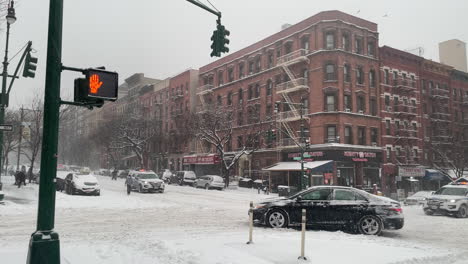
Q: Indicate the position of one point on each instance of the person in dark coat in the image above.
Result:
(128, 182)
(22, 176)
(30, 175)
(114, 175)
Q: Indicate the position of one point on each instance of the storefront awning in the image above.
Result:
(323, 165)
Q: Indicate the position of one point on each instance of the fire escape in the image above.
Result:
(440, 118)
(205, 95)
(405, 110)
(290, 91)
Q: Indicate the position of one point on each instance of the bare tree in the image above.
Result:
(215, 126)
(10, 139)
(32, 143)
(452, 156)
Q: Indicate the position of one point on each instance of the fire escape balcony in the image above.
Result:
(205, 89)
(465, 102)
(293, 115)
(404, 85)
(176, 113)
(292, 86)
(406, 134)
(405, 110)
(177, 95)
(293, 57)
(288, 142)
(440, 117)
(438, 93)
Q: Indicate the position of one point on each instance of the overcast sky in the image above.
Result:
(162, 38)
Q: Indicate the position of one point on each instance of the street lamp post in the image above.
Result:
(11, 18)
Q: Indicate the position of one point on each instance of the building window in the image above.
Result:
(423, 85)
(240, 96)
(373, 106)
(348, 104)
(330, 72)
(358, 45)
(373, 134)
(388, 153)
(347, 73)
(241, 70)
(270, 59)
(269, 110)
(240, 118)
(387, 127)
(348, 132)
(331, 134)
(361, 135)
(269, 87)
(288, 47)
(305, 43)
(387, 100)
(250, 92)
(371, 48)
(386, 76)
(372, 78)
(329, 40)
(220, 78)
(240, 142)
(251, 67)
(219, 100)
(345, 40)
(230, 74)
(360, 75)
(229, 98)
(361, 103)
(258, 64)
(330, 102)
(257, 90)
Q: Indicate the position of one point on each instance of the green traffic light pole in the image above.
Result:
(44, 246)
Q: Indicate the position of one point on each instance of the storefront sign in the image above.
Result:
(212, 159)
(306, 154)
(360, 154)
(338, 155)
(411, 171)
(359, 159)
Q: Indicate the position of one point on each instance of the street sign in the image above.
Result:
(6, 128)
(307, 155)
(297, 158)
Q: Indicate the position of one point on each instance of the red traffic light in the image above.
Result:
(102, 84)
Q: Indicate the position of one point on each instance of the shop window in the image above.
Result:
(329, 40)
(347, 73)
(348, 135)
(330, 72)
(330, 102)
(361, 135)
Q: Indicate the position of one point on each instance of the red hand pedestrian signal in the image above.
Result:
(94, 83)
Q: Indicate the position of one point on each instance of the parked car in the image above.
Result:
(417, 198)
(245, 182)
(60, 180)
(451, 199)
(145, 181)
(209, 182)
(82, 184)
(184, 177)
(122, 173)
(334, 207)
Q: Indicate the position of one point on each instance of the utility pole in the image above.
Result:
(44, 246)
(20, 139)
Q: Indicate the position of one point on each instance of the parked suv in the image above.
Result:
(82, 184)
(209, 182)
(451, 199)
(184, 177)
(145, 181)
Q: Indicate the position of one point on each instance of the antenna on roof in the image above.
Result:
(419, 50)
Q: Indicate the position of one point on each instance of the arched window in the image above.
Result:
(360, 75)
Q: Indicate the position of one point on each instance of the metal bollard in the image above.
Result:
(250, 223)
(303, 235)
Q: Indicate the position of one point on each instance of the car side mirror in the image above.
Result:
(299, 198)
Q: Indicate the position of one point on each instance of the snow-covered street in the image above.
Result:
(188, 225)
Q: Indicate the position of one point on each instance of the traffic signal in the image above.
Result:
(102, 84)
(215, 44)
(224, 41)
(30, 65)
(273, 135)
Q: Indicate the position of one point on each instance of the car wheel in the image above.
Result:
(207, 187)
(370, 225)
(462, 212)
(140, 189)
(162, 191)
(277, 219)
(428, 212)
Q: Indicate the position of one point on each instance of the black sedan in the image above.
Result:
(332, 207)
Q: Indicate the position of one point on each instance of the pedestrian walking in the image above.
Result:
(128, 182)
(22, 176)
(114, 175)
(30, 175)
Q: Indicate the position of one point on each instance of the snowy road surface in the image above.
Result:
(187, 225)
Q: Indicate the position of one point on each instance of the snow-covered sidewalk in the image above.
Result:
(188, 225)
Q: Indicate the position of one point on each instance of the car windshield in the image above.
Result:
(451, 191)
(147, 176)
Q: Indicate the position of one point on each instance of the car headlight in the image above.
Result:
(258, 206)
(145, 182)
(453, 201)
